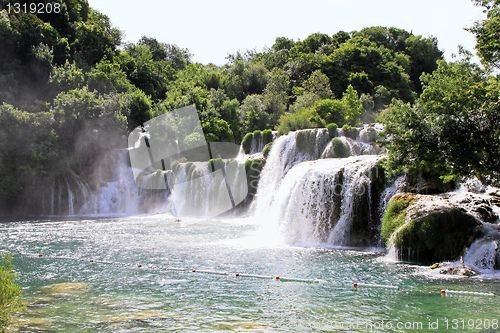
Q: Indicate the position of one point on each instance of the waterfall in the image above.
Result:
(320, 201)
(206, 189)
(118, 193)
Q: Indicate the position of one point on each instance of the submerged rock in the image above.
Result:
(66, 288)
(432, 229)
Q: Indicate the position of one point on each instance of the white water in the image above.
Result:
(313, 203)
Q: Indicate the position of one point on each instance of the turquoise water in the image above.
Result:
(127, 298)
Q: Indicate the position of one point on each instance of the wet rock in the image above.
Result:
(459, 270)
(66, 288)
(486, 213)
(143, 316)
(434, 230)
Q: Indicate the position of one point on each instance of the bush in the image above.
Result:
(395, 215)
(10, 293)
(332, 129)
(246, 143)
(267, 136)
(350, 132)
(301, 119)
(340, 149)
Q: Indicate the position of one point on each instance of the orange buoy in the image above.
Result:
(139, 265)
(194, 270)
(20, 254)
(237, 274)
(443, 291)
(355, 285)
(39, 255)
(91, 260)
(277, 278)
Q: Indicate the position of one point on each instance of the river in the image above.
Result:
(67, 292)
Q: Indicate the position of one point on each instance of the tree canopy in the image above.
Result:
(70, 89)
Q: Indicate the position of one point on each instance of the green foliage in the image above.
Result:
(339, 149)
(487, 32)
(453, 129)
(10, 293)
(267, 149)
(73, 89)
(30, 144)
(332, 129)
(217, 130)
(253, 114)
(267, 136)
(395, 215)
(332, 111)
(246, 143)
(306, 118)
(352, 106)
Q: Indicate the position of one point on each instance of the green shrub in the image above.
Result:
(267, 149)
(267, 136)
(340, 149)
(332, 129)
(350, 132)
(395, 215)
(246, 143)
(301, 119)
(10, 293)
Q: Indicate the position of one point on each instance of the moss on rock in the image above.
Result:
(246, 143)
(395, 214)
(429, 228)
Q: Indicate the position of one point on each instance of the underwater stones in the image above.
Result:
(144, 316)
(433, 229)
(66, 289)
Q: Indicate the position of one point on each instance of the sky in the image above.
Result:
(211, 30)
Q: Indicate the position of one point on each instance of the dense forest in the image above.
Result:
(71, 90)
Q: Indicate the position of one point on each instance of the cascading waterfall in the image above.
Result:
(327, 201)
(119, 193)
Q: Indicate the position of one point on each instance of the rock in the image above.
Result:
(66, 288)
(486, 213)
(459, 270)
(434, 230)
(143, 316)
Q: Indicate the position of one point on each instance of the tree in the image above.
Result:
(353, 106)
(11, 300)
(453, 130)
(487, 32)
(253, 115)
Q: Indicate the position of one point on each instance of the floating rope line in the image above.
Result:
(473, 293)
(247, 275)
(382, 286)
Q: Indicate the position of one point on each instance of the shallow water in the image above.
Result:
(126, 298)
